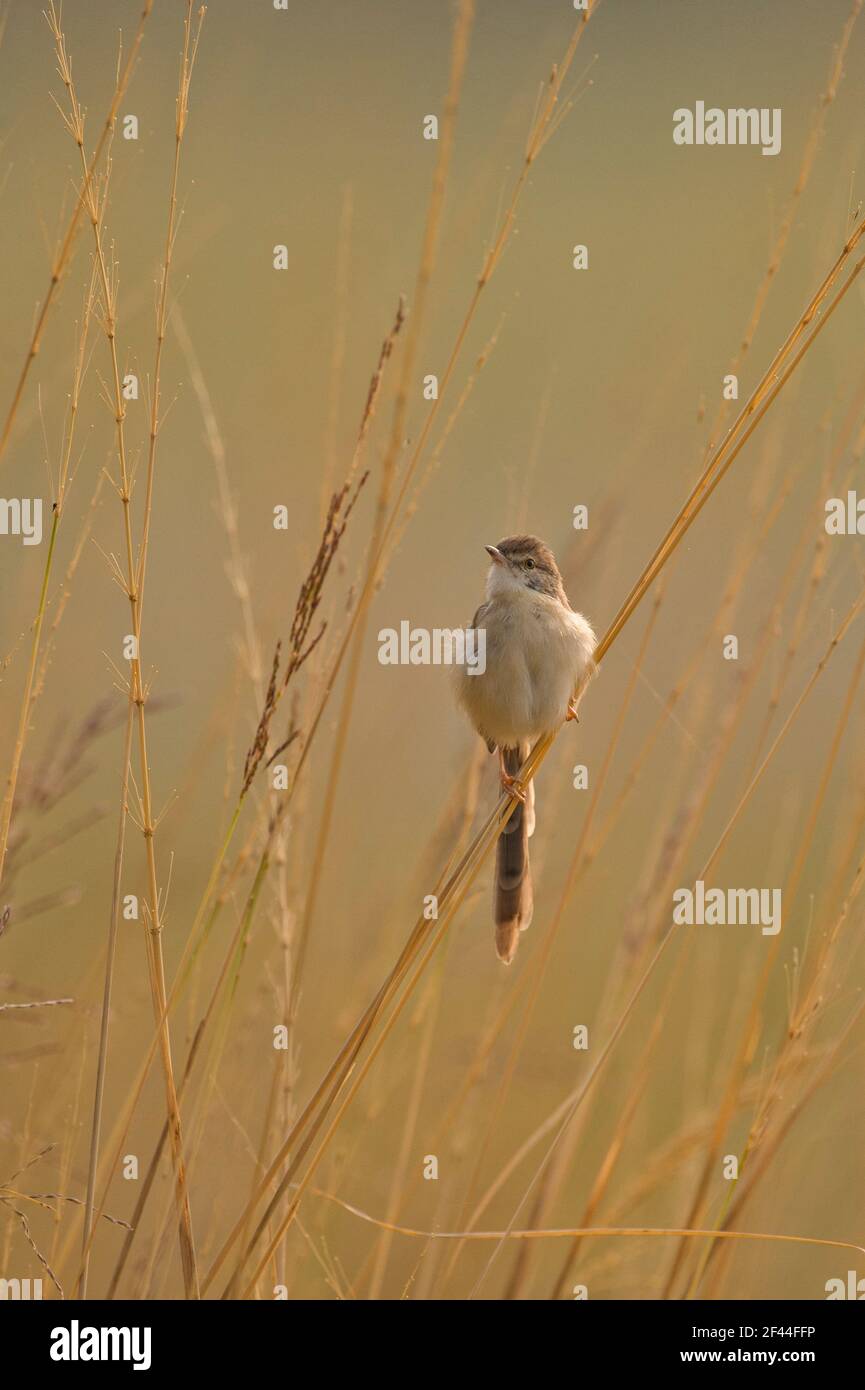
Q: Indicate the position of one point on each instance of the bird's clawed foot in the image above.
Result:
(573, 712)
(513, 786)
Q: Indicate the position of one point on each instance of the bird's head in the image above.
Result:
(523, 562)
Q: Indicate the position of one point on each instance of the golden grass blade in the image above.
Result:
(64, 253)
(590, 1232)
(133, 582)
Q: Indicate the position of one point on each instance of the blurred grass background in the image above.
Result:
(609, 380)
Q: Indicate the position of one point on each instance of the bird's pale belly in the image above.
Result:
(535, 657)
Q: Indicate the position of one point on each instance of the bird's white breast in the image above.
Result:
(537, 652)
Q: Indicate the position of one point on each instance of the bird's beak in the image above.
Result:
(495, 554)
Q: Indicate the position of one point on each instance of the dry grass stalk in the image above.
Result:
(132, 583)
(809, 155)
(236, 566)
(63, 479)
(300, 645)
(64, 252)
(590, 1232)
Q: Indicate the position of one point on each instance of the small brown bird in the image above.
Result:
(538, 656)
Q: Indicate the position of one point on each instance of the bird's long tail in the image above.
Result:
(512, 896)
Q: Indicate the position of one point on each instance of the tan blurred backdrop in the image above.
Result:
(305, 129)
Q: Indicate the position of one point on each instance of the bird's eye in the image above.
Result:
(529, 564)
